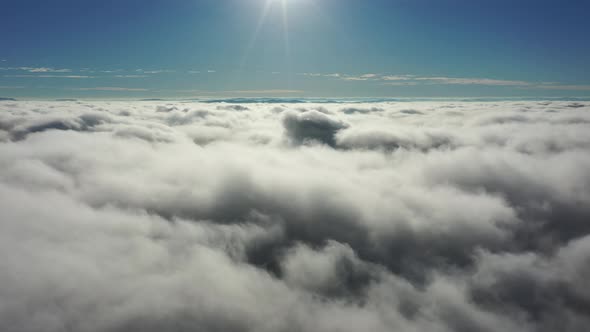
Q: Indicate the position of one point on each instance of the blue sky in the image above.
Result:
(314, 48)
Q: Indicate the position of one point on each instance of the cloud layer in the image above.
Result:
(396, 216)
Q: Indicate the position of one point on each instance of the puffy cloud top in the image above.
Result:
(309, 126)
(411, 216)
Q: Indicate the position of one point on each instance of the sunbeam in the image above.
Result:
(286, 41)
(266, 9)
(254, 38)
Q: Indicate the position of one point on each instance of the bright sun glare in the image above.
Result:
(262, 19)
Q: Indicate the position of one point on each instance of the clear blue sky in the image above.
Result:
(189, 48)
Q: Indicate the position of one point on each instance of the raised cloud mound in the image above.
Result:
(309, 126)
(389, 216)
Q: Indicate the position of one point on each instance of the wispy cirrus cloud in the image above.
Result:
(156, 71)
(397, 77)
(414, 80)
(109, 88)
(564, 87)
(420, 79)
(386, 79)
(37, 69)
(311, 74)
(131, 76)
(265, 92)
(48, 70)
(208, 71)
(471, 81)
(50, 76)
(252, 92)
(435, 80)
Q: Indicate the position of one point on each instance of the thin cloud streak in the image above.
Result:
(263, 92)
(564, 87)
(413, 80)
(38, 69)
(131, 76)
(107, 88)
(50, 76)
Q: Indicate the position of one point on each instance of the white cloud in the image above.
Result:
(50, 76)
(398, 77)
(411, 80)
(355, 78)
(47, 70)
(393, 216)
(264, 92)
(571, 87)
(131, 76)
(471, 81)
(38, 69)
(109, 88)
(311, 74)
(157, 71)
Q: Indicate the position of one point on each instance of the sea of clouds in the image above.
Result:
(392, 216)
